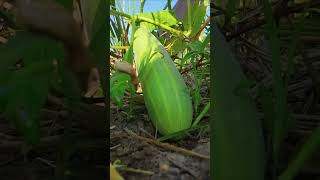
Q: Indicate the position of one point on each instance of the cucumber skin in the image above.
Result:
(165, 93)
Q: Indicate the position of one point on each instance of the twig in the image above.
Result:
(201, 28)
(46, 162)
(167, 146)
(148, 134)
(114, 147)
(199, 64)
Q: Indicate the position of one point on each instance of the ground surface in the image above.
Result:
(160, 162)
(148, 161)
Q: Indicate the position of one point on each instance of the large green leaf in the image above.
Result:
(24, 91)
(280, 119)
(164, 17)
(198, 13)
(176, 45)
(28, 89)
(94, 15)
(99, 44)
(237, 145)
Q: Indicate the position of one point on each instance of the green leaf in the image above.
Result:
(189, 55)
(98, 45)
(200, 116)
(128, 57)
(164, 17)
(119, 81)
(24, 91)
(28, 89)
(200, 46)
(118, 84)
(94, 15)
(196, 46)
(238, 142)
(196, 95)
(198, 13)
(206, 2)
(176, 44)
(280, 105)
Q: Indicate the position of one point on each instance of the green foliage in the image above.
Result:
(203, 112)
(94, 12)
(98, 17)
(23, 91)
(280, 118)
(188, 51)
(119, 82)
(118, 85)
(164, 17)
(198, 14)
(195, 93)
(283, 39)
(237, 134)
(26, 89)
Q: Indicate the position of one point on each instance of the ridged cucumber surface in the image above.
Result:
(165, 93)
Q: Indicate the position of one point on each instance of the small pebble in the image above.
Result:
(164, 167)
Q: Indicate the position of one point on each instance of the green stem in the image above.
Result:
(163, 26)
(280, 121)
(203, 112)
(142, 5)
(114, 12)
(119, 47)
(169, 5)
(189, 19)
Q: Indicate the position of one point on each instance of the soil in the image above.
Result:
(88, 155)
(160, 163)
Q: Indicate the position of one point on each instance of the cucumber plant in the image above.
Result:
(166, 94)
